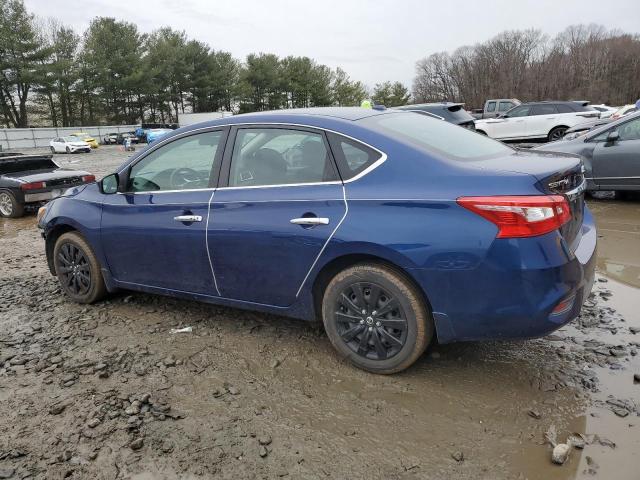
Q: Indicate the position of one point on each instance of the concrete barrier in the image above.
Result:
(17, 138)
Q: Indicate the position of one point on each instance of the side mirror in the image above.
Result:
(613, 136)
(109, 184)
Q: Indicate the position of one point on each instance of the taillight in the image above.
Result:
(88, 178)
(521, 216)
(33, 186)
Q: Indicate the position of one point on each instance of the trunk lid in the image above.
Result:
(556, 174)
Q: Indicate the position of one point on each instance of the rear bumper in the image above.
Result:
(513, 291)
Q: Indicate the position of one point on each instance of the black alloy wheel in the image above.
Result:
(370, 321)
(74, 269)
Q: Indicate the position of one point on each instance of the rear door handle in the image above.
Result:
(310, 221)
(188, 218)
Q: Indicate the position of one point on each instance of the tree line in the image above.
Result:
(581, 63)
(113, 73)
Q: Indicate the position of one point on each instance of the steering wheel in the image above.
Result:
(184, 176)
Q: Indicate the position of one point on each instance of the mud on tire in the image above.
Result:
(375, 317)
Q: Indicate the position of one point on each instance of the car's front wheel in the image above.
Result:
(78, 269)
(53, 150)
(9, 205)
(376, 318)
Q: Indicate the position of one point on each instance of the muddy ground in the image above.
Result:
(107, 391)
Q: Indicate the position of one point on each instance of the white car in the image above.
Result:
(622, 111)
(605, 110)
(537, 120)
(69, 145)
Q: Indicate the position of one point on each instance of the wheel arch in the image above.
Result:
(50, 241)
(337, 264)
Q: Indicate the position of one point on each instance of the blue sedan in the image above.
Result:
(393, 228)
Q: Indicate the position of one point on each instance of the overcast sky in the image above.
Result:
(373, 40)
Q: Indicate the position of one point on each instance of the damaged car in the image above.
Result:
(27, 181)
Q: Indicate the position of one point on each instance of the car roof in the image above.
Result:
(344, 113)
(561, 102)
(433, 104)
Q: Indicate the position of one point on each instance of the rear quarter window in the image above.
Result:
(351, 156)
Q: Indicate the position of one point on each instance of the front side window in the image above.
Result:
(491, 107)
(522, 111)
(278, 156)
(184, 164)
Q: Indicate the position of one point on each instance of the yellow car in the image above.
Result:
(86, 138)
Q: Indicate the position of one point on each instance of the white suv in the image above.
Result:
(537, 120)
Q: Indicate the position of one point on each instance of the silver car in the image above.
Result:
(611, 154)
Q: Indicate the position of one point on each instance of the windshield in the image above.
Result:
(436, 136)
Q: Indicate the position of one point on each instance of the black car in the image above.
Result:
(447, 111)
(28, 181)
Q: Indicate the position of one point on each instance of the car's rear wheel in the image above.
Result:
(68, 150)
(78, 269)
(376, 318)
(9, 205)
(556, 134)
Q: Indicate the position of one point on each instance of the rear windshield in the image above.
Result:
(452, 113)
(25, 165)
(436, 136)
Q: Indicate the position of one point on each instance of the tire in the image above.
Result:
(53, 150)
(68, 150)
(556, 134)
(383, 344)
(71, 251)
(10, 207)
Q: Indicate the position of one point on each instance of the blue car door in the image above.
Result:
(279, 202)
(154, 233)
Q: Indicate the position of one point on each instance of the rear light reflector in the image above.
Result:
(564, 306)
(521, 216)
(33, 186)
(88, 178)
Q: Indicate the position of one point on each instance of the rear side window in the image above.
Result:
(353, 157)
(491, 107)
(562, 108)
(505, 106)
(279, 156)
(544, 110)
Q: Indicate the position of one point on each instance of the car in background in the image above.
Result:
(537, 121)
(85, 137)
(379, 224)
(124, 135)
(493, 108)
(157, 133)
(68, 145)
(448, 111)
(141, 131)
(622, 111)
(27, 181)
(110, 139)
(605, 110)
(582, 128)
(611, 154)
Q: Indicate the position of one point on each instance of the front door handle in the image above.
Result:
(188, 218)
(310, 221)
